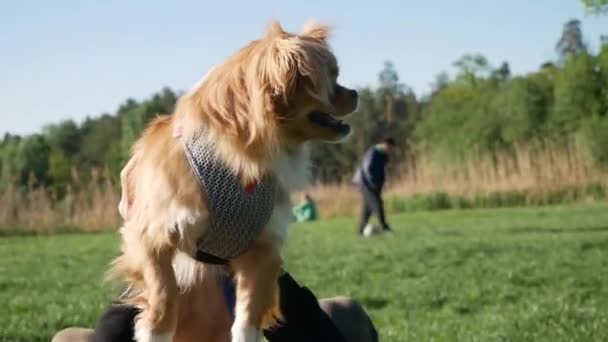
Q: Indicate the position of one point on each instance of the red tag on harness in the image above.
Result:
(249, 187)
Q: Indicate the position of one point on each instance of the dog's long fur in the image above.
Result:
(255, 108)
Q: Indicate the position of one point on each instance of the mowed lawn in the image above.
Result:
(491, 275)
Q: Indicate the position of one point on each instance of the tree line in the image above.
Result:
(482, 109)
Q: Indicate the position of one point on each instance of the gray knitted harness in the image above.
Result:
(236, 214)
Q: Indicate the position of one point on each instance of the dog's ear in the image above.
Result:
(274, 30)
(316, 31)
(295, 61)
(292, 58)
(127, 193)
(280, 65)
(284, 68)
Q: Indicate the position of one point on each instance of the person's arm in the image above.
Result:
(370, 170)
(299, 207)
(298, 211)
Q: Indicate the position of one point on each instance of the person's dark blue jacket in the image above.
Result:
(371, 171)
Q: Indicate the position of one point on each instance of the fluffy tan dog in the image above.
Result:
(258, 109)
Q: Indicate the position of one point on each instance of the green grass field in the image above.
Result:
(491, 275)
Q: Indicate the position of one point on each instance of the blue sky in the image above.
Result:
(69, 59)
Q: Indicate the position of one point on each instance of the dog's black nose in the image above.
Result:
(353, 94)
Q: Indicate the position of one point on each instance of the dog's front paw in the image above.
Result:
(243, 332)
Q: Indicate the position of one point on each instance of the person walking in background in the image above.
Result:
(370, 177)
(306, 211)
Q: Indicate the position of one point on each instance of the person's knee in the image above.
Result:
(74, 334)
(350, 318)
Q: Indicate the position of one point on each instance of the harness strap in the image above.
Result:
(208, 258)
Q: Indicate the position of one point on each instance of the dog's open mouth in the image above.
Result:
(326, 120)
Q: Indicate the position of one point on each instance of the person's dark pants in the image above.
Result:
(372, 204)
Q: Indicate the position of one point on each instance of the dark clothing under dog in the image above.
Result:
(304, 319)
(370, 177)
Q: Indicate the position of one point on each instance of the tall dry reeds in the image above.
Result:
(526, 168)
(534, 172)
(90, 206)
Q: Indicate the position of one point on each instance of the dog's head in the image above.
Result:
(300, 74)
(281, 88)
